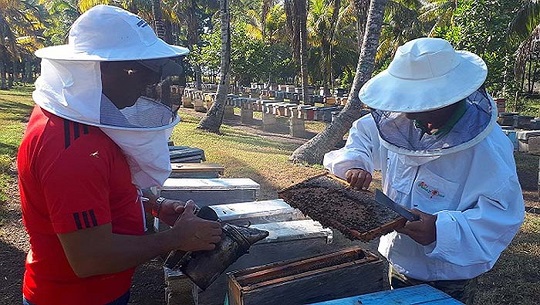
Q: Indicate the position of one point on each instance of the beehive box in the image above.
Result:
(291, 236)
(329, 200)
(196, 170)
(209, 191)
(339, 274)
(257, 212)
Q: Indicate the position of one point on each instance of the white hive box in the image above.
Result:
(257, 212)
(196, 170)
(291, 235)
(523, 139)
(209, 191)
(287, 240)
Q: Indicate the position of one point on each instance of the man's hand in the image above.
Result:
(193, 233)
(358, 178)
(98, 250)
(170, 211)
(423, 231)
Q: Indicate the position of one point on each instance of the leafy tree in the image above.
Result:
(438, 14)
(21, 29)
(251, 59)
(401, 24)
(274, 25)
(480, 27)
(61, 14)
(525, 31)
(313, 151)
(214, 117)
(296, 12)
(323, 22)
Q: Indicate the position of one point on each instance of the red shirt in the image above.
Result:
(72, 177)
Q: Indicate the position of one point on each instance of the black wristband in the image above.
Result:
(159, 203)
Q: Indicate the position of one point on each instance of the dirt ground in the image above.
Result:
(148, 285)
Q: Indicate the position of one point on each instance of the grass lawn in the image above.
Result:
(515, 279)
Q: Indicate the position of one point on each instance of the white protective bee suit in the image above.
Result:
(466, 177)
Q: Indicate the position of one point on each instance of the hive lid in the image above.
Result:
(198, 184)
(329, 199)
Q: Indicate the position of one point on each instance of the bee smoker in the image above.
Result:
(203, 267)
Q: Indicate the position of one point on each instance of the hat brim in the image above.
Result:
(159, 49)
(390, 93)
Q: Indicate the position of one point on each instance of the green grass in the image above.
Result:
(245, 155)
(527, 106)
(527, 166)
(15, 106)
(514, 280)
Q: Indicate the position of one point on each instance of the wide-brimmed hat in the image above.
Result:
(425, 74)
(109, 33)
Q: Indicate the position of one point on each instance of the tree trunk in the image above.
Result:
(193, 39)
(3, 64)
(296, 13)
(3, 80)
(313, 151)
(198, 76)
(302, 12)
(214, 117)
(361, 9)
(331, 38)
(12, 72)
(159, 26)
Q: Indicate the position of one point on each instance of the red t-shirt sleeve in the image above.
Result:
(76, 186)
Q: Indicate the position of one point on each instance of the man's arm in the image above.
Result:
(98, 250)
(360, 156)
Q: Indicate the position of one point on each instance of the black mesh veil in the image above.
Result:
(401, 134)
(159, 102)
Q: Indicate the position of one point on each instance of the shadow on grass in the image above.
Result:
(19, 90)
(15, 110)
(11, 269)
(8, 149)
(148, 284)
(527, 169)
(233, 136)
(12, 258)
(515, 278)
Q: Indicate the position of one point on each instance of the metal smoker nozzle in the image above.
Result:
(203, 267)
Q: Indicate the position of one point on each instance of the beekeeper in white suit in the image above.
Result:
(433, 134)
(97, 136)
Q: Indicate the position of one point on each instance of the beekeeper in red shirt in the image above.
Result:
(97, 136)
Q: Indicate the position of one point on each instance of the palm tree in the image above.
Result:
(361, 8)
(525, 21)
(188, 20)
(313, 151)
(20, 35)
(159, 26)
(324, 22)
(296, 12)
(214, 117)
(439, 13)
(401, 24)
(189, 13)
(525, 31)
